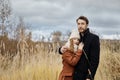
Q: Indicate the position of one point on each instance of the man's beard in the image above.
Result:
(81, 30)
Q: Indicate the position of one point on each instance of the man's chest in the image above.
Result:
(87, 40)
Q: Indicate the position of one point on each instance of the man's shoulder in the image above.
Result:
(94, 35)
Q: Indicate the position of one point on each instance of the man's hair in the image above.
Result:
(83, 18)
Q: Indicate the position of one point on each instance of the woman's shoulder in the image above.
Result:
(68, 52)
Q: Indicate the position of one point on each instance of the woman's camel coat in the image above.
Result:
(70, 59)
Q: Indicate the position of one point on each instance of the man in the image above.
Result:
(91, 48)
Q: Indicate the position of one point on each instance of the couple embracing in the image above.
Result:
(80, 54)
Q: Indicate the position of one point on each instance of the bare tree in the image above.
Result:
(29, 36)
(20, 30)
(65, 36)
(5, 11)
(42, 38)
(56, 36)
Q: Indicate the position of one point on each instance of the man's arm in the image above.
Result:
(62, 49)
(94, 55)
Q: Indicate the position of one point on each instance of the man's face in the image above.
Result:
(82, 26)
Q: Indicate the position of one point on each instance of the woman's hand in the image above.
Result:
(81, 45)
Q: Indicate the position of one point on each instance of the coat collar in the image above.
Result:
(85, 32)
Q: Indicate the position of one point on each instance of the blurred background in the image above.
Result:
(42, 17)
(32, 31)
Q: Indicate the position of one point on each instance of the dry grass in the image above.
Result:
(41, 62)
(109, 67)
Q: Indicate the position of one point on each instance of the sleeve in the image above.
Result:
(94, 56)
(72, 59)
(60, 51)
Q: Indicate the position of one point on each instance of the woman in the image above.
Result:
(71, 56)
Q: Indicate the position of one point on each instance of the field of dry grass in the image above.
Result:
(41, 61)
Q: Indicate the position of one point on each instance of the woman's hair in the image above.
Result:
(71, 45)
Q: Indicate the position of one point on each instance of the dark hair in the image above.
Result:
(83, 18)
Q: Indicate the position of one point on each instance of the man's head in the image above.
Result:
(82, 23)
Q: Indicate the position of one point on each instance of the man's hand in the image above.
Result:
(63, 49)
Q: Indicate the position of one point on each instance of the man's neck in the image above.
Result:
(82, 34)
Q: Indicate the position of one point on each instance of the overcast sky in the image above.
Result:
(49, 15)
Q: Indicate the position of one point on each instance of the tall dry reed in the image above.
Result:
(41, 62)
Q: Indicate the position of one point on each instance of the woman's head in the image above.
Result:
(73, 40)
(74, 37)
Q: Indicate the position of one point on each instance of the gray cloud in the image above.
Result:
(103, 14)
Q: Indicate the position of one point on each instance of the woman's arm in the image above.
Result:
(72, 58)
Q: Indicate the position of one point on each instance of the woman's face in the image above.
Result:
(76, 41)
